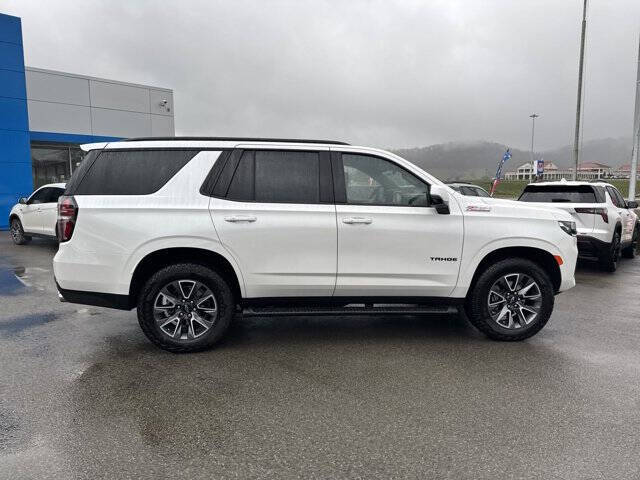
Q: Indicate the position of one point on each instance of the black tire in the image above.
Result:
(190, 272)
(631, 250)
(17, 233)
(609, 261)
(477, 307)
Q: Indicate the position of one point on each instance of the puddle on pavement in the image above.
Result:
(10, 280)
(17, 325)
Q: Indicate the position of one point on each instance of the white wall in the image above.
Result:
(67, 103)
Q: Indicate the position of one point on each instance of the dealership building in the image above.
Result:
(45, 115)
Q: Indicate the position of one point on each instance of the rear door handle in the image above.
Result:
(352, 220)
(239, 218)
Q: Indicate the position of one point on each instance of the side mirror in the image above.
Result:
(632, 204)
(23, 200)
(437, 194)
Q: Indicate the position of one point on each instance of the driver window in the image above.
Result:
(39, 197)
(374, 181)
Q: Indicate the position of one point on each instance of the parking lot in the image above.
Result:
(83, 394)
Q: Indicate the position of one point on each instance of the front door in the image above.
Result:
(278, 221)
(32, 211)
(389, 242)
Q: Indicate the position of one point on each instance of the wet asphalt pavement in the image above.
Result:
(83, 394)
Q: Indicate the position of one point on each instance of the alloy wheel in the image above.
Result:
(514, 300)
(185, 309)
(15, 231)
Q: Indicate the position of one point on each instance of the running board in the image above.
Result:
(355, 310)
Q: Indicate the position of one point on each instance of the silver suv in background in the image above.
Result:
(607, 225)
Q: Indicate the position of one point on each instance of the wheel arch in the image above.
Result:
(158, 259)
(541, 257)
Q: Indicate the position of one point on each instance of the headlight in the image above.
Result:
(568, 227)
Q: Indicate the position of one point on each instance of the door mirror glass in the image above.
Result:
(22, 200)
(632, 204)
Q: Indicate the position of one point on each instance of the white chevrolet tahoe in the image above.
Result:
(191, 231)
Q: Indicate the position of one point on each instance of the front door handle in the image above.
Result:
(352, 220)
(239, 218)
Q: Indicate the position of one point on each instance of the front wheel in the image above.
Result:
(630, 251)
(511, 300)
(17, 233)
(185, 307)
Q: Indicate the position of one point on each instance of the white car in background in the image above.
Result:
(607, 225)
(36, 215)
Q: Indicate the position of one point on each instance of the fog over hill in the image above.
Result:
(472, 160)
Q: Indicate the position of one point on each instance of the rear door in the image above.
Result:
(31, 212)
(273, 211)
(389, 242)
(49, 211)
(627, 220)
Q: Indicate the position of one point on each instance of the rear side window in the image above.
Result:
(79, 172)
(559, 194)
(616, 198)
(139, 172)
(274, 176)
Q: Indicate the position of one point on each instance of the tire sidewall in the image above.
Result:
(480, 309)
(220, 289)
(16, 224)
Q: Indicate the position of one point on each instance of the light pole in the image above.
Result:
(636, 137)
(576, 139)
(533, 132)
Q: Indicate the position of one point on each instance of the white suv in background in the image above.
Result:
(36, 215)
(190, 231)
(607, 225)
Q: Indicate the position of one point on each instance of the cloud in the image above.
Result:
(381, 73)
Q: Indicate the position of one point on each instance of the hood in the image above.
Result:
(513, 207)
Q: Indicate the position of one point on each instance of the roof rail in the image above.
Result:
(236, 139)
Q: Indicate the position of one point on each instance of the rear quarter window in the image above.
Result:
(559, 194)
(128, 172)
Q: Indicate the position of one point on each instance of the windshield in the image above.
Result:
(559, 194)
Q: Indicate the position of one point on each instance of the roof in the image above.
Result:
(592, 165)
(59, 185)
(570, 183)
(235, 139)
(463, 184)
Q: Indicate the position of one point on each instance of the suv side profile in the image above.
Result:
(36, 215)
(607, 226)
(192, 231)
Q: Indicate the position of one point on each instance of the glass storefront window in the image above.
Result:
(53, 163)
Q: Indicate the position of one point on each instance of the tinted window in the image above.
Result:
(559, 194)
(471, 192)
(616, 198)
(242, 184)
(80, 170)
(374, 181)
(41, 196)
(54, 194)
(600, 194)
(138, 172)
(481, 192)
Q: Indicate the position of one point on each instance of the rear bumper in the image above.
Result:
(96, 299)
(591, 247)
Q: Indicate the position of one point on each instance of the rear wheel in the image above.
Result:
(630, 251)
(17, 233)
(185, 307)
(512, 300)
(609, 261)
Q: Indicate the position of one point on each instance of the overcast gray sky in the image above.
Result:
(384, 73)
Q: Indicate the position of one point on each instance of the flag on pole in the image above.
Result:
(496, 180)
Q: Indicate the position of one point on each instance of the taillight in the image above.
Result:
(595, 211)
(67, 215)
